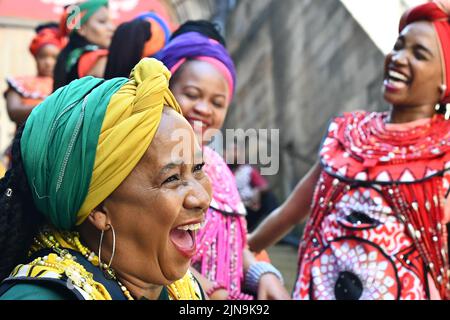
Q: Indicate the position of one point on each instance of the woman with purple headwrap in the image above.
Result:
(203, 82)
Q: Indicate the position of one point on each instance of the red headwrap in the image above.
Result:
(437, 13)
(44, 37)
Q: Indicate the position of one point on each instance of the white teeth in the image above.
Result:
(192, 227)
(398, 76)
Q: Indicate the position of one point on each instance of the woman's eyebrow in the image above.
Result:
(421, 47)
(170, 166)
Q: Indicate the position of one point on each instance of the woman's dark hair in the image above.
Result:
(204, 27)
(19, 218)
(47, 25)
(60, 74)
(126, 47)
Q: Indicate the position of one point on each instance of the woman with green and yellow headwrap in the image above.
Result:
(97, 204)
(89, 27)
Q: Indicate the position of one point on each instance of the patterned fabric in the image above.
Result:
(87, 282)
(223, 238)
(377, 225)
(33, 90)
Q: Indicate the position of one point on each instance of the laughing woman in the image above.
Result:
(380, 205)
(97, 199)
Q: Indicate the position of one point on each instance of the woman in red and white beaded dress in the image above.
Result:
(377, 199)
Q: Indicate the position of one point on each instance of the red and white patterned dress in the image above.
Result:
(377, 227)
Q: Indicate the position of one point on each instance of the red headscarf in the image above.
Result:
(437, 13)
(46, 36)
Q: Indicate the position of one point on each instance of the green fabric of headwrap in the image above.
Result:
(86, 10)
(58, 146)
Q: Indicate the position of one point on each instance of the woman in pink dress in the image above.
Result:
(203, 83)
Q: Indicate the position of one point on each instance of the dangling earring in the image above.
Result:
(443, 90)
(109, 273)
(447, 112)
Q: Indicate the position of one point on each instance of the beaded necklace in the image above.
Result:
(59, 242)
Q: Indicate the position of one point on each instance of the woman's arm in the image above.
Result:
(295, 209)
(17, 111)
(270, 286)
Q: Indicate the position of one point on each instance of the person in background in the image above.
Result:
(90, 29)
(378, 200)
(142, 37)
(26, 92)
(255, 193)
(203, 83)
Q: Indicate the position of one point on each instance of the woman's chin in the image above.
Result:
(176, 274)
(392, 99)
(176, 267)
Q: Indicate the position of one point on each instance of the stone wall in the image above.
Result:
(300, 62)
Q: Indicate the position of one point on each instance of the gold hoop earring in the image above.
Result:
(109, 273)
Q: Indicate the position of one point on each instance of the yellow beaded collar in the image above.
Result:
(62, 262)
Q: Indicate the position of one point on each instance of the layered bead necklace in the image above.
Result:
(54, 241)
(59, 242)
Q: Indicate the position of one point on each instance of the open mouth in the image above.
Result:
(198, 125)
(396, 80)
(184, 238)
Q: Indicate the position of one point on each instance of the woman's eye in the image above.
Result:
(199, 167)
(218, 105)
(419, 55)
(191, 96)
(173, 178)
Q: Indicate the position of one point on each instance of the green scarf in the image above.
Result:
(86, 10)
(59, 145)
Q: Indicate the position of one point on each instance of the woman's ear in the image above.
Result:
(99, 218)
(82, 31)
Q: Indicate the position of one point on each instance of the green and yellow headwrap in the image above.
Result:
(85, 139)
(78, 14)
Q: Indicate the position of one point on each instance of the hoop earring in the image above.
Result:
(447, 112)
(109, 273)
(443, 89)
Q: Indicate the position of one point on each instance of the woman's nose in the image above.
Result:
(198, 198)
(203, 108)
(399, 57)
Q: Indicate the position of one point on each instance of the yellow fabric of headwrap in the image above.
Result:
(130, 124)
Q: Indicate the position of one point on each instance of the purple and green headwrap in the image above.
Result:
(195, 46)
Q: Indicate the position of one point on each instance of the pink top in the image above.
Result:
(222, 240)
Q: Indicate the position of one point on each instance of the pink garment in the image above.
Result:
(222, 240)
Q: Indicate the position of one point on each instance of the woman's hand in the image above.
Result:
(271, 288)
(220, 294)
